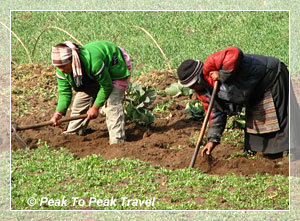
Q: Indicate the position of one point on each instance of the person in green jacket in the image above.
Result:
(99, 72)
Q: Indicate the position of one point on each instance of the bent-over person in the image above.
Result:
(259, 83)
(99, 72)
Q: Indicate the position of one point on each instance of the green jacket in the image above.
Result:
(101, 62)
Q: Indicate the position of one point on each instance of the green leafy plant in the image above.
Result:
(237, 154)
(163, 107)
(193, 139)
(233, 136)
(176, 89)
(138, 99)
(195, 109)
(238, 121)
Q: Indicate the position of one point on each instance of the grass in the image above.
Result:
(57, 175)
(181, 35)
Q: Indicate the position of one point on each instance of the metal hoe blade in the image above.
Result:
(17, 137)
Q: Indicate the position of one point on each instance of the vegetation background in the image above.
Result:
(181, 34)
(155, 5)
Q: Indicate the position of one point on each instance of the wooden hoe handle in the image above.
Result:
(47, 123)
(204, 124)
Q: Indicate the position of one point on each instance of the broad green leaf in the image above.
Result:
(139, 98)
(174, 89)
(195, 109)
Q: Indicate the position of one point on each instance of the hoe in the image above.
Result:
(204, 126)
(16, 128)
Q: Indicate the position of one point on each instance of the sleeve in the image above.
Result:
(216, 126)
(225, 61)
(106, 85)
(64, 94)
(217, 120)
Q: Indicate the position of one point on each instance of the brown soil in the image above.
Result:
(164, 143)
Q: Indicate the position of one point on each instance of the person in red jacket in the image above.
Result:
(259, 83)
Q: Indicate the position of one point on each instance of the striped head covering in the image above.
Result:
(66, 53)
(189, 71)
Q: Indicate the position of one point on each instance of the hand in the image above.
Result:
(208, 148)
(214, 75)
(93, 112)
(56, 116)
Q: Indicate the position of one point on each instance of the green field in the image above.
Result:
(57, 174)
(181, 35)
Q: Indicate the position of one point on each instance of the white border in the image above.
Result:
(289, 112)
(161, 210)
(10, 136)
